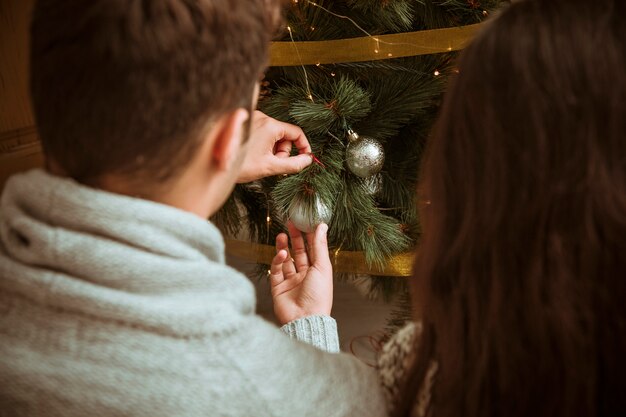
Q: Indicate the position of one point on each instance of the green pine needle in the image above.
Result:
(394, 101)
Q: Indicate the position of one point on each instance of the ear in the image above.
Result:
(228, 138)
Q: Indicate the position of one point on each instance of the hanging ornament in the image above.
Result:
(365, 156)
(372, 185)
(306, 218)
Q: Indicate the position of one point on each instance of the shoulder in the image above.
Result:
(395, 361)
(396, 358)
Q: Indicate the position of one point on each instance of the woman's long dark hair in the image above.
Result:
(520, 280)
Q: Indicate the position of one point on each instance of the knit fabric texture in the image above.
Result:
(118, 306)
(394, 362)
(319, 331)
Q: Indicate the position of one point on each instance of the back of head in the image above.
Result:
(519, 277)
(129, 86)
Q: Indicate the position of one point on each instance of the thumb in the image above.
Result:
(293, 164)
(319, 250)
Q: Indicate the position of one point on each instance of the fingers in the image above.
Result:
(318, 245)
(293, 164)
(292, 133)
(282, 243)
(300, 256)
(282, 149)
(282, 131)
(276, 268)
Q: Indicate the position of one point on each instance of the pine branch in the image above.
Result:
(393, 16)
(394, 101)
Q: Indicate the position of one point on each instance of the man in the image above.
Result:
(114, 296)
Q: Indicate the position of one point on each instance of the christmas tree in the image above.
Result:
(366, 106)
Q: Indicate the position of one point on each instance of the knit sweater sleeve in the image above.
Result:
(318, 331)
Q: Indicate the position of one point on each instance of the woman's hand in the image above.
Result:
(303, 285)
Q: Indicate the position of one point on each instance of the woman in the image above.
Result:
(520, 280)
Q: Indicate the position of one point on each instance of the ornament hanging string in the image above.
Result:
(317, 161)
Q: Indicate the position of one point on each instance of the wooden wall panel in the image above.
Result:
(19, 146)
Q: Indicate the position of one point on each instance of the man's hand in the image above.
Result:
(269, 149)
(302, 286)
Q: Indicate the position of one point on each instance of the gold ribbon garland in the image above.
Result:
(343, 261)
(368, 48)
(371, 48)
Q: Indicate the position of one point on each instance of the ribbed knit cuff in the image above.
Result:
(319, 331)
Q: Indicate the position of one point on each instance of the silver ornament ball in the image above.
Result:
(365, 156)
(307, 218)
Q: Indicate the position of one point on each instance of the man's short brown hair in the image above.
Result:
(127, 86)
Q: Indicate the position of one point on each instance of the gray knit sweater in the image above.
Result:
(115, 306)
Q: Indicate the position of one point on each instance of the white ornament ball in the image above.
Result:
(305, 218)
(365, 156)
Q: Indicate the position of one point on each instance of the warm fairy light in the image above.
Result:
(268, 218)
(306, 77)
(376, 48)
(355, 24)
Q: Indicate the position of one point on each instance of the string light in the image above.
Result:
(378, 41)
(306, 76)
(375, 39)
(340, 16)
(268, 221)
(320, 66)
